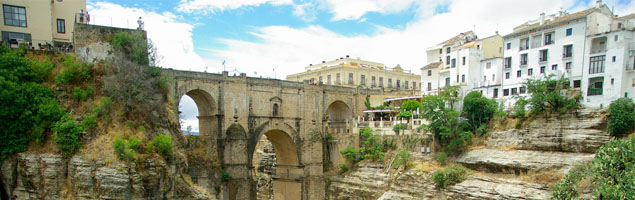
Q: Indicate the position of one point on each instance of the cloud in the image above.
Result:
(189, 6)
(174, 46)
(290, 49)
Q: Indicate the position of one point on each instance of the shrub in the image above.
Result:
(621, 116)
(74, 72)
(28, 109)
(149, 147)
(163, 144)
(225, 177)
(566, 188)
(546, 96)
(133, 46)
(519, 108)
(444, 121)
(343, 168)
(398, 127)
(68, 135)
(402, 159)
(89, 121)
(478, 109)
(441, 157)
(451, 175)
(81, 95)
(404, 114)
(126, 149)
(350, 154)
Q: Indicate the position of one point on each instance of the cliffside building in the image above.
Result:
(593, 48)
(354, 72)
(39, 22)
(459, 60)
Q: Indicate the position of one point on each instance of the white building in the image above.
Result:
(490, 77)
(460, 62)
(564, 44)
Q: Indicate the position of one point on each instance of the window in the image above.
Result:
(524, 44)
(328, 79)
(484, 78)
(414, 85)
(350, 78)
(615, 37)
(381, 81)
(493, 77)
(508, 62)
(576, 83)
(567, 51)
(275, 109)
(463, 78)
(523, 90)
(509, 45)
(567, 66)
(372, 81)
(406, 86)
(447, 60)
(519, 73)
(543, 55)
(429, 86)
(495, 92)
(429, 72)
(596, 64)
(337, 76)
(61, 26)
(530, 72)
(548, 38)
(514, 91)
(447, 50)
(447, 81)
(569, 31)
(398, 86)
(453, 62)
(478, 46)
(362, 80)
(488, 65)
(463, 60)
(523, 59)
(440, 51)
(614, 58)
(14, 15)
(457, 78)
(506, 92)
(554, 67)
(507, 75)
(595, 86)
(321, 80)
(389, 83)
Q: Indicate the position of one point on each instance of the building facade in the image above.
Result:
(354, 72)
(460, 59)
(39, 23)
(591, 48)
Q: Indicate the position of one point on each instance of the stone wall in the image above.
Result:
(92, 42)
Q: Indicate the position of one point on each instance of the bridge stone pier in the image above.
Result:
(235, 111)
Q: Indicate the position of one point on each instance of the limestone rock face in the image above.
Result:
(51, 176)
(477, 187)
(368, 181)
(582, 133)
(494, 160)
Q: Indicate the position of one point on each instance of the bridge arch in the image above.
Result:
(338, 113)
(287, 182)
(206, 107)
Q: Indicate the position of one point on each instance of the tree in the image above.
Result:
(546, 96)
(478, 109)
(410, 105)
(444, 121)
(621, 116)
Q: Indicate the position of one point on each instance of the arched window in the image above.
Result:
(275, 109)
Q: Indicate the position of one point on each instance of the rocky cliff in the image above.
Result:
(513, 164)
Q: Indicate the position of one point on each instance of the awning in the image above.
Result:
(403, 98)
(381, 110)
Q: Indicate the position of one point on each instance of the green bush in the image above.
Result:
(343, 168)
(163, 144)
(133, 46)
(74, 72)
(350, 154)
(402, 159)
(451, 175)
(89, 121)
(546, 97)
(28, 109)
(126, 149)
(404, 115)
(398, 127)
(149, 147)
(621, 116)
(82, 95)
(610, 172)
(68, 135)
(441, 157)
(225, 177)
(478, 109)
(520, 111)
(444, 120)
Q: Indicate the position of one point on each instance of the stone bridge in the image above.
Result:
(235, 111)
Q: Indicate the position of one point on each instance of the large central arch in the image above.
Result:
(338, 114)
(287, 180)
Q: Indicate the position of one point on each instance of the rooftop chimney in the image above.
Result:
(542, 18)
(598, 3)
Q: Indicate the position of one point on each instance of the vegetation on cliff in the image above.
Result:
(621, 116)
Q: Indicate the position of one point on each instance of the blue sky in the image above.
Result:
(258, 36)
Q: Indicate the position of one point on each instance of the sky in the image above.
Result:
(275, 38)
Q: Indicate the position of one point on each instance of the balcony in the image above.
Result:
(549, 42)
(543, 59)
(567, 55)
(630, 67)
(522, 48)
(523, 62)
(598, 45)
(594, 91)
